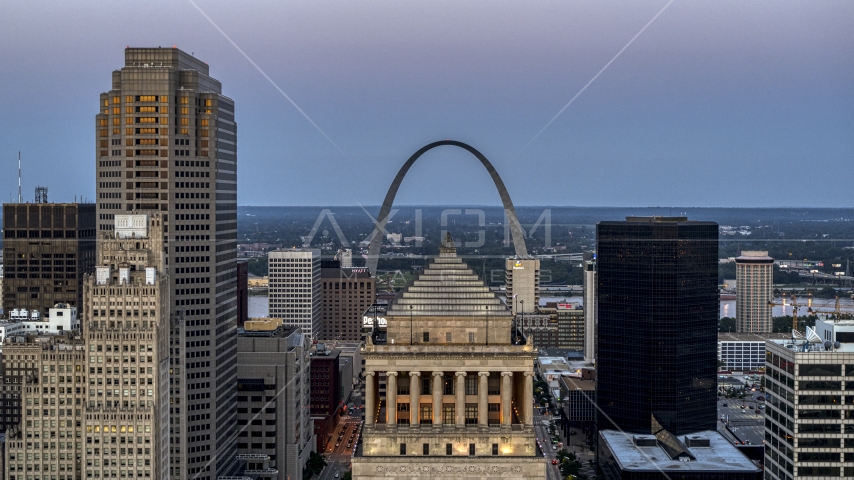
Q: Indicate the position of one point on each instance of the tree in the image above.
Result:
(726, 324)
(314, 466)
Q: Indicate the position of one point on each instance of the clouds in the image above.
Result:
(715, 104)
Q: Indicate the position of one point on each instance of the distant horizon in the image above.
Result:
(546, 206)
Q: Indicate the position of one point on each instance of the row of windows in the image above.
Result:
(449, 449)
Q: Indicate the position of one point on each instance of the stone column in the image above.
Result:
(529, 398)
(506, 395)
(438, 378)
(414, 398)
(482, 399)
(460, 396)
(391, 398)
(370, 402)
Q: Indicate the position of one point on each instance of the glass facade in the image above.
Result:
(658, 311)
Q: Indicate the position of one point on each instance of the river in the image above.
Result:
(259, 305)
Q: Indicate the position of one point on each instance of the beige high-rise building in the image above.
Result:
(459, 395)
(49, 442)
(167, 142)
(126, 328)
(754, 274)
(522, 278)
(95, 403)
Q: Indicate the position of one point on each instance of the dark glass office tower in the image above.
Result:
(658, 312)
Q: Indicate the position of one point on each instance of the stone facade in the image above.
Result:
(452, 390)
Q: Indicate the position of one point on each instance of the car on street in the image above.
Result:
(554, 461)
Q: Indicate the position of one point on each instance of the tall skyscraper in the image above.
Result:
(294, 288)
(47, 248)
(658, 313)
(754, 274)
(167, 142)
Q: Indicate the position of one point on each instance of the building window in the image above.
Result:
(403, 413)
(471, 337)
(448, 414)
(425, 449)
(448, 337)
(426, 414)
(448, 450)
(403, 449)
(471, 449)
(449, 384)
(403, 386)
(426, 337)
(495, 449)
(425, 386)
(471, 385)
(471, 414)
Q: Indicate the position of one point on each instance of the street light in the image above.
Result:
(487, 324)
(523, 315)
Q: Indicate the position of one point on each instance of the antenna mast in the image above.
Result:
(20, 200)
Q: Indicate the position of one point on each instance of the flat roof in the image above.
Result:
(751, 337)
(720, 455)
(578, 384)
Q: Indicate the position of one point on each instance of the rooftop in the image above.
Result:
(719, 455)
(751, 337)
(447, 287)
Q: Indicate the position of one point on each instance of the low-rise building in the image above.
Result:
(744, 352)
(555, 325)
(578, 405)
(705, 455)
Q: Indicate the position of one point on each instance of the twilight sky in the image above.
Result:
(716, 103)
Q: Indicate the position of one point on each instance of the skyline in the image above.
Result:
(708, 95)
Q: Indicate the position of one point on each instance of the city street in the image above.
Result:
(541, 428)
(338, 457)
(747, 424)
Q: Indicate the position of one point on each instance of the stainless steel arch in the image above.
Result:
(510, 212)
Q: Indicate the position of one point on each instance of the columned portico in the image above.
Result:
(473, 389)
(414, 398)
(437, 398)
(370, 398)
(460, 397)
(506, 393)
(391, 398)
(529, 398)
(483, 399)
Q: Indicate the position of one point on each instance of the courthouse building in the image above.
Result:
(458, 393)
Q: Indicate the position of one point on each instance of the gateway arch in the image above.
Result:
(510, 212)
